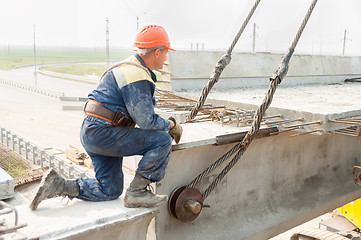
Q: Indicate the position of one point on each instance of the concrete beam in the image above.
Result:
(192, 69)
(279, 183)
(78, 220)
(7, 185)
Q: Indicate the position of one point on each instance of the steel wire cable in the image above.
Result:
(220, 65)
(247, 138)
(241, 147)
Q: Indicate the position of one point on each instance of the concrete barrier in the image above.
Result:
(42, 91)
(94, 80)
(192, 69)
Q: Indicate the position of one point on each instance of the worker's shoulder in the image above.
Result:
(131, 70)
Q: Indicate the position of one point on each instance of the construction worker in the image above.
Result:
(124, 98)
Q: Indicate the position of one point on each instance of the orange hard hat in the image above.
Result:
(152, 35)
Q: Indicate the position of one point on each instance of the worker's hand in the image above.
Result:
(176, 131)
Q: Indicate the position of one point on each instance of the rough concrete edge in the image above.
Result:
(331, 127)
(288, 113)
(210, 141)
(9, 182)
(82, 229)
(103, 226)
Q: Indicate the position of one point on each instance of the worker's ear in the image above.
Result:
(157, 52)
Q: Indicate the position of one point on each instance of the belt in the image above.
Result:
(96, 109)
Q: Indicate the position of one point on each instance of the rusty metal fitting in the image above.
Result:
(193, 206)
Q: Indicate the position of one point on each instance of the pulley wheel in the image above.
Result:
(185, 204)
(172, 200)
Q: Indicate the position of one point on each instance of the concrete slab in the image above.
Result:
(279, 183)
(76, 219)
(192, 69)
(7, 185)
(317, 99)
(320, 102)
(262, 212)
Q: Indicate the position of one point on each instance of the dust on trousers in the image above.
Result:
(107, 144)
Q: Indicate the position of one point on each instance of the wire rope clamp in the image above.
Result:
(185, 204)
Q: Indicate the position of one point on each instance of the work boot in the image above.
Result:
(138, 195)
(53, 185)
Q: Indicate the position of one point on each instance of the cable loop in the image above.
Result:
(242, 146)
(220, 65)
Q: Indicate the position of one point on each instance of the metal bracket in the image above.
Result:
(6, 208)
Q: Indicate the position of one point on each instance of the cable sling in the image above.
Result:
(220, 66)
(241, 147)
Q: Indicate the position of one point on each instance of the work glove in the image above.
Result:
(176, 131)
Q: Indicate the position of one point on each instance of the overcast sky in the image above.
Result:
(74, 23)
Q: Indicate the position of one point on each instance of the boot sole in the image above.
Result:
(137, 205)
(41, 190)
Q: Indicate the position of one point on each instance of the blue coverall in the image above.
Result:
(130, 90)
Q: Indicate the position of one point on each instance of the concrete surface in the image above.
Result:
(324, 99)
(63, 219)
(40, 119)
(279, 183)
(68, 87)
(7, 185)
(192, 69)
(321, 102)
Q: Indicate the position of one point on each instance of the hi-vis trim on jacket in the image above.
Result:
(128, 71)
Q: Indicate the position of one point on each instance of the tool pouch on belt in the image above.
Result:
(94, 108)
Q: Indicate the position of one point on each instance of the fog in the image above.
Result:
(211, 24)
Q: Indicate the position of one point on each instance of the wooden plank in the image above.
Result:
(32, 176)
(75, 155)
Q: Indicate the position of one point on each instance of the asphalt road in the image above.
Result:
(39, 118)
(68, 87)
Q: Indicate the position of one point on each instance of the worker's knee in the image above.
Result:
(163, 145)
(112, 187)
(165, 140)
(115, 195)
(114, 192)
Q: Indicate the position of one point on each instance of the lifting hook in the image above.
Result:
(358, 176)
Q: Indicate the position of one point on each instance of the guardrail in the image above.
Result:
(70, 77)
(33, 89)
(39, 156)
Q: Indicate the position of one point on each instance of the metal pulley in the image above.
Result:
(185, 204)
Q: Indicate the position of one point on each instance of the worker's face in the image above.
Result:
(160, 56)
